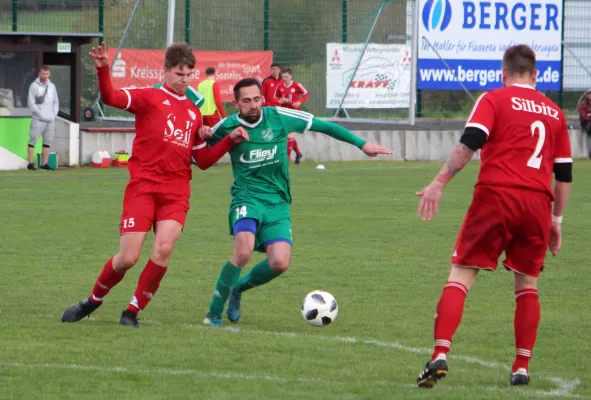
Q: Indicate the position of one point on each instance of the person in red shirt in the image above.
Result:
(291, 94)
(292, 145)
(157, 195)
(524, 140)
(269, 86)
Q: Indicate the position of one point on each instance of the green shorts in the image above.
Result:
(273, 220)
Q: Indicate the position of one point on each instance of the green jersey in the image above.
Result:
(260, 165)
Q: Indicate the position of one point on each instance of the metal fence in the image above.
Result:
(295, 30)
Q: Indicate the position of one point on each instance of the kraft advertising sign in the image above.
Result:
(471, 36)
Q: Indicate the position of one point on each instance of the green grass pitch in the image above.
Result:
(356, 235)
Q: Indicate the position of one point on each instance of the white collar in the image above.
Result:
(288, 85)
(249, 125)
(176, 96)
(523, 86)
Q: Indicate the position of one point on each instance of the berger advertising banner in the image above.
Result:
(139, 68)
(471, 36)
(382, 79)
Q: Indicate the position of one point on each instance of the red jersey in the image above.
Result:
(166, 125)
(527, 134)
(291, 94)
(268, 89)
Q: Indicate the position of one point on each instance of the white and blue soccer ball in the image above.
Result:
(319, 308)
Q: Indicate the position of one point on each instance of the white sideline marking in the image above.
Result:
(232, 375)
(565, 387)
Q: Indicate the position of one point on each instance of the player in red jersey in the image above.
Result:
(290, 94)
(157, 195)
(524, 140)
(292, 144)
(270, 85)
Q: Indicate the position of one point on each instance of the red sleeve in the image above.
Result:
(264, 90)
(483, 114)
(218, 99)
(122, 99)
(562, 149)
(302, 90)
(206, 156)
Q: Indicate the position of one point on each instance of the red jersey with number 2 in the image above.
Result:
(527, 134)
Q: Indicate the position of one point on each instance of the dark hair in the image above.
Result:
(519, 59)
(246, 82)
(275, 65)
(44, 68)
(286, 70)
(179, 53)
(209, 71)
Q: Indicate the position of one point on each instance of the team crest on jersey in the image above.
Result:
(268, 134)
(293, 90)
(192, 115)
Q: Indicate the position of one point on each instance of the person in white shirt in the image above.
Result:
(44, 106)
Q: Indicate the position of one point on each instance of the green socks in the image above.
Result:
(228, 278)
(258, 275)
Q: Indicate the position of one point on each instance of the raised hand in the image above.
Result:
(372, 149)
(100, 55)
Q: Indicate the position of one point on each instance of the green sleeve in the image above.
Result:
(219, 131)
(293, 120)
(337, 132)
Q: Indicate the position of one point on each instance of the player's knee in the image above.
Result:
(128, 260)
(163, 249)
(279, 263)
(241, 256)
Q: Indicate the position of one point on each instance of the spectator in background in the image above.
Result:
(270, 85)
(44, 106)
(585, 118)
(212, 108)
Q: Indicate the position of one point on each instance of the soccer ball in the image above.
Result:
(319, 308)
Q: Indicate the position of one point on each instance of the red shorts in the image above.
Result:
(211, 120)
(516, 221)
(143, 208)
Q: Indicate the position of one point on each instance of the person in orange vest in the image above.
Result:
(212, 108)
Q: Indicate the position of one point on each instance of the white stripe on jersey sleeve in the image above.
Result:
(202, 145)
(303, 88)
(215, 128)
(478, 126)
(294, 113)
(476, 106)
(128, 98)
(563, 160)
(297, 114)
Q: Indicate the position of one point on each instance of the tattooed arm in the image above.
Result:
(472, 140)
(458, 159)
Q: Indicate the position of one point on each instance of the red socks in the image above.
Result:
(105, 282)
(147, 286)
(449, 316)
(527, 318)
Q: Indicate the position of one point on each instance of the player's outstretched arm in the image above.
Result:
(109, 95)
(344, 135)
(206, 156)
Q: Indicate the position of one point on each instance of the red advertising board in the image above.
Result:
(139, 67)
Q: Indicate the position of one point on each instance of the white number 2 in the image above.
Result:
(129, 223)
(240, 212)
(535, 161)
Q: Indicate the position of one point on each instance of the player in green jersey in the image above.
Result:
(259, 215)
